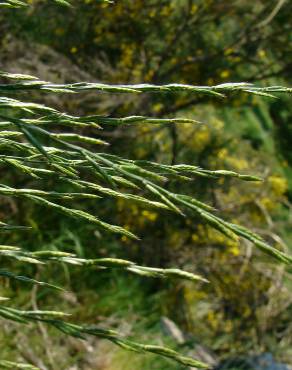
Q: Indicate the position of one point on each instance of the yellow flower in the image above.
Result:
(151, 216)
(73, 50)
(195, 237)
(222, 153)
(235, 250)
(194, 9)
(225, 74)
(278, 184)
(228, 51)
(262, 54)
(268, 203)
(238, 163)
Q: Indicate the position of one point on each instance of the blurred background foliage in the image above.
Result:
(247, 307)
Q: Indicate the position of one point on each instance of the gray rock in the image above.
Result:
(195, 350)
(260, 362)
(267, 362)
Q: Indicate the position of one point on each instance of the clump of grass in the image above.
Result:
(32, 144)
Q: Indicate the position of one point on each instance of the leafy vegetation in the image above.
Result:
(49, 168)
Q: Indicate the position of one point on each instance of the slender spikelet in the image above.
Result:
(33, 146)
(53, 318)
